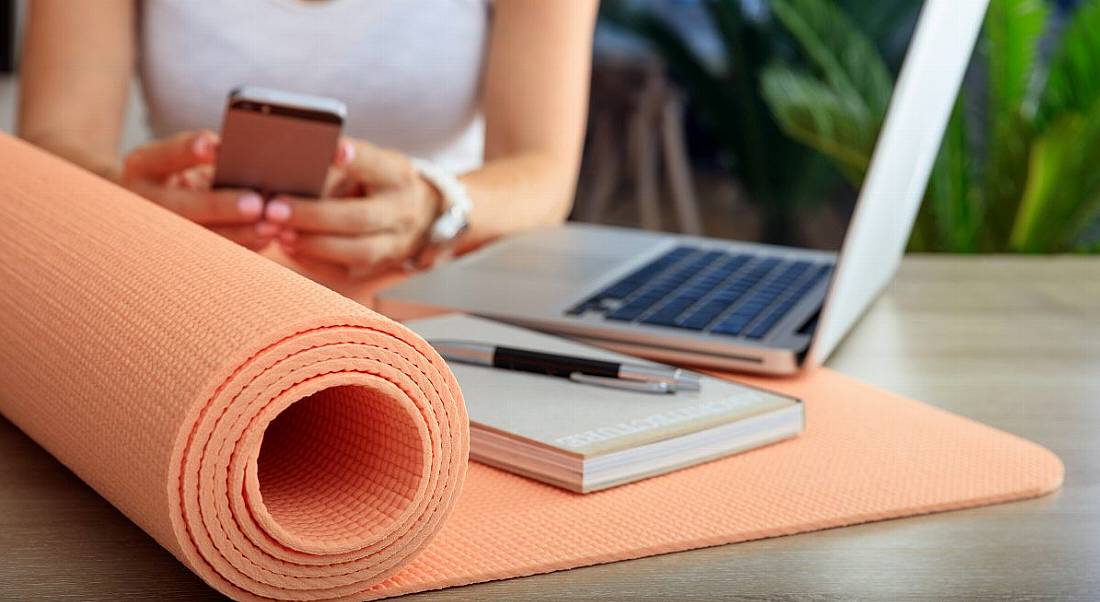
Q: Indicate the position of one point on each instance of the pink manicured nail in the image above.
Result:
(203, 146)
(278, 211)
(250, 205)
(345, 153)
(267, 229)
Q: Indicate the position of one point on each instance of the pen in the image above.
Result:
(619, 375)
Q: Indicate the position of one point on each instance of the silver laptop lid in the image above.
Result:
(898, 173)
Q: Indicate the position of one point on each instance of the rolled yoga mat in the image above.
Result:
(160, 363)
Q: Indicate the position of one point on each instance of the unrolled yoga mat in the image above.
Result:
(286, 443)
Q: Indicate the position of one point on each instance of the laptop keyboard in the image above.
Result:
(732, 294)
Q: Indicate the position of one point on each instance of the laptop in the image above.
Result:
(720, 303)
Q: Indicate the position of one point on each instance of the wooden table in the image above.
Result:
(1012, 342)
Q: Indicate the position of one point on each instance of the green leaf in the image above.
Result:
(848, 60)
(813, 113)
(1062, 193)
(889, 23)
(728, 100)
(952, 201)
(1073, 80)
(1013, 29)
(755, 140)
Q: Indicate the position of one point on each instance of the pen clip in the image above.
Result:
(621, 384)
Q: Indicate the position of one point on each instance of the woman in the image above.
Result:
(494, 91)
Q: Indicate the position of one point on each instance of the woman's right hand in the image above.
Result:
(175, 174)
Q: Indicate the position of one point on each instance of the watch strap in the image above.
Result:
(453, 217)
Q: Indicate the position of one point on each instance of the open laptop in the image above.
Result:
(718, 303)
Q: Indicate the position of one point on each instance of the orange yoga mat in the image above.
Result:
(287, 443)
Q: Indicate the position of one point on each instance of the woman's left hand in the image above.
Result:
(375, 215)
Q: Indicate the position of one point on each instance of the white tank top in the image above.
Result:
(409, 72)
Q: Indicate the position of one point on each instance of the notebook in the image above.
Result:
(584, 437)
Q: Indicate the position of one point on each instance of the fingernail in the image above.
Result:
(345, 153)
(288, 236)
(266, 229)
(250, 205)
(278, 211)
(203, 146)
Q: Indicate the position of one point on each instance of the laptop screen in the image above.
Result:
(785, 101)
(822, 120)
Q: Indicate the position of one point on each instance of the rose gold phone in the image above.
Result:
(278, 142)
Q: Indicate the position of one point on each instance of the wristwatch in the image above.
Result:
(453, 220)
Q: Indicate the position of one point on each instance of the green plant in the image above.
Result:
(728, 98)
(1020, 176)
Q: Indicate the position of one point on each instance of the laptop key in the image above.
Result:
(678, 289)
(703, 316)
(626, 313)
(634, 309)
(644, 275)
(669, 312)
(662, 318)
(776, 313)
(761, 328)
(765, 324)
(732, 325)
(723, 298)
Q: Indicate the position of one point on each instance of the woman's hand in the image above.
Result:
(375, 215)
(175, 173)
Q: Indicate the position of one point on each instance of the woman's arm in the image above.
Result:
(534, 97)
(78, 60)
(76, 66)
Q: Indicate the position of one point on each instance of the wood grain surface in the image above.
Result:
(1012, 342)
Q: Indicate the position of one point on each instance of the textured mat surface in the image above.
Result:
(867, 455)
(160, 364)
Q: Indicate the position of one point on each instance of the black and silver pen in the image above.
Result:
(619, 375)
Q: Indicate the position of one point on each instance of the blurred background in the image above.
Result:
(735, 118)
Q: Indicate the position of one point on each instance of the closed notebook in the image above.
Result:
(584, 437)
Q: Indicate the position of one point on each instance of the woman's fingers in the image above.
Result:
(200, 177)
(321, 270)
(160, 159)
(345, 152)
(377, 167)
(381, 220)
(218, 207)
(383, 212)
(248, 236)
(207, 207)
(352, 251)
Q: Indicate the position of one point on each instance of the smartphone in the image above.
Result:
(278, 142)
